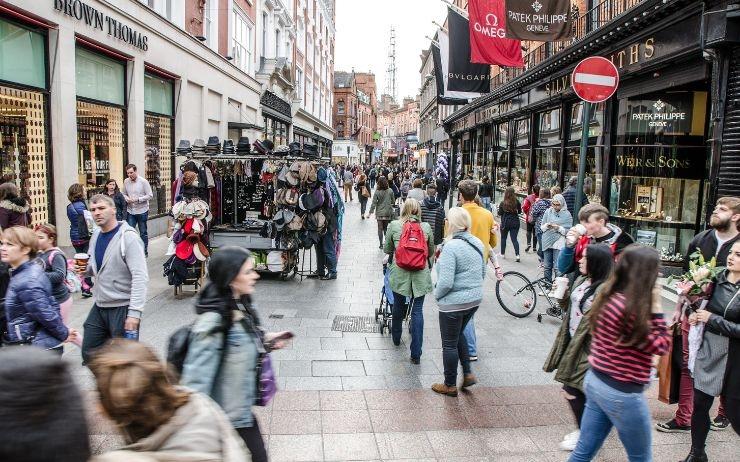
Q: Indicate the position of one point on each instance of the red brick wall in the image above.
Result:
(194, 16)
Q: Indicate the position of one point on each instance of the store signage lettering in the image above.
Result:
(661, 162)
(99, 20)
(658, 119)
(96, 166)
(634, 53)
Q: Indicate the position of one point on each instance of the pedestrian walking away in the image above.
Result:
(157, 419)
(621, 357)
(485, 192)
(509, 210)
(227, 344)
(138, 193)
(569, 353)
(483, 226)
(31, 311)
(363, 193)
(527, 209)
(433, 212)
(382, 205)
(348, 179)
(118, 264)
(555, 223)
(715, 242)
(417, 192)
(570, 196)
(460, 270)
(717, 365)
(405, 283)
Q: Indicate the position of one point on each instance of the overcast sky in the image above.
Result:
(363, 35)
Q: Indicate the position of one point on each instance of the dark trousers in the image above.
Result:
(577, 404)
(372, 182)
(531, 236)
(326, 255)
(538, 245)
(513, 233)
(416, 320)
(83, 248)
(454, 344)
(253, 439)
(700, 418)
(363, 203)
(101, 325)
(140, 220)
(382, 228)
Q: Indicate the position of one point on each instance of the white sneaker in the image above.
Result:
(570, 441)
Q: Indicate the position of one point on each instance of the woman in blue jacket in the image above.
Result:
(32, 312)
(79, 233)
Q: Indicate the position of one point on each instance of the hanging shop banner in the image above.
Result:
(539, 20)
(463, 75)
(439, 77)
(488, 42)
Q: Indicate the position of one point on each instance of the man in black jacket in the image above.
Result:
(714, 242)
(433, 212)
(570, 196)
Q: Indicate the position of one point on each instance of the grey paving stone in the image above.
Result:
(337, 368)
(296, 401)
(402, 382)
(456, 443)
(313, 383)
(405, 445)
(295, 422)
(506, 440)
(359, 446)
(342, 400)
(344, 421)
(296, 448)
(363, 383)
(294, 368)
(343, 343)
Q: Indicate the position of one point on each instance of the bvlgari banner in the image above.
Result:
(462, 75)
(488, 42)
(539, 20)
(443, 98)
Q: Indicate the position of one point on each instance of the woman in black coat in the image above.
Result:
(111, 189)
(509, 210)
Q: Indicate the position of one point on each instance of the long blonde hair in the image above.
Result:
(411, 208)
(458, 219)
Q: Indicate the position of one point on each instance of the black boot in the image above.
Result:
(696, 456)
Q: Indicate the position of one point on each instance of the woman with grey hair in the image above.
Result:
(555, 223)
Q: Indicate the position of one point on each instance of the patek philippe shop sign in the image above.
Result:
(81, 11)
(540, 20)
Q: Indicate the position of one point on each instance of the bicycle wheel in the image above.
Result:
(516, 294)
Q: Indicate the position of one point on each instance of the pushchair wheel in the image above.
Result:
(539, 317)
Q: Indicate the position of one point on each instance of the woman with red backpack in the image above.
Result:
(527, 209)
(409, 242)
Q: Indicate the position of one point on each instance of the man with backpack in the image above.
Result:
(483, 227)
(372, 175)
(527, 209)
(118, 264)
(409, 243)
(433, 212)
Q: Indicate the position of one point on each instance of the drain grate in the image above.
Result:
(276, 316)
(364, 324)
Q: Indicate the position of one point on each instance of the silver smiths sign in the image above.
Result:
(96, 19)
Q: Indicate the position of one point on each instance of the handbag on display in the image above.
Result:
(669, 368)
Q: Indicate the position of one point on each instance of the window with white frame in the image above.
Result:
(299, 82)
(264, 35)
(207, 21)
(309, 95)
(309, 51)
(340, 107)
(242, 41)
(277, 43)
(301, 39)
(315, 100)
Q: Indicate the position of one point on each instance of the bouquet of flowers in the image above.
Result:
(694, 289)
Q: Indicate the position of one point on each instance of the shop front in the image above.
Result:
(276, 118)
(647, 157)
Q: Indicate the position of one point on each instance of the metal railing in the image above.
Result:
(593, 19)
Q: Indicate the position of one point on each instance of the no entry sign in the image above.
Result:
(595, 79)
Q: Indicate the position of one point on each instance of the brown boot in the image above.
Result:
(443, 389)
(469, 380)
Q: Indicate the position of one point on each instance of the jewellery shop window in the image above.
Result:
(658, 168)
(483, 158)
(520, 172)
(158, 141)
(501, 150)
(276, 131)
(547, 153)
(467, 158)
(24, 155)
(100, 123)
(595, 168)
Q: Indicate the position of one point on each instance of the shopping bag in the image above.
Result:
(669, 369)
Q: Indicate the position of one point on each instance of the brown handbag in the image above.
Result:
(669, 368)
(365, 191)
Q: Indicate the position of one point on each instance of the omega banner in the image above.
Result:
(539, 20)
(463, 75)
(488, 42)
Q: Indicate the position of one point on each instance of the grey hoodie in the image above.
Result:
(122, 278)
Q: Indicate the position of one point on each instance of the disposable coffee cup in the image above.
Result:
(81, 260)
(561, 285)
(580, 228)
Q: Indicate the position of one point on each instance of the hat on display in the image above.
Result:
(282, 218)
(228, 147)
(291, 197)
(296, 224)
(189, 179)
(200, 209)
(183, 147)
(177, 236)
(295, 149)
(184, 249)
(177, 209)
(267, 230)
(201, 251)
(307, 173)
(188, 226)
(213, 142)
(191, 259)
(243, 146)
(199, 145)
(259, 147)
(281, 150)
(311, 201)
(269, 145)
(321, 175)
(310, 150)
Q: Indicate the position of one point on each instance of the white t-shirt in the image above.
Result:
(575, 306)
(720, 243)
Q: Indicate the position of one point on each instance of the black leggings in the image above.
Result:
(577, 404)
(255, 443)
(531, 236)
(700, 418)
(382, 228)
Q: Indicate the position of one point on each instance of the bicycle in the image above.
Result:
(518, 295)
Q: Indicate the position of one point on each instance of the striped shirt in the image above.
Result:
(625, 364)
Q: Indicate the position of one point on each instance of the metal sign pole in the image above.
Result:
(585, 121)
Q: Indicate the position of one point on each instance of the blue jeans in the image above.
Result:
(469, 333)
(326, 256)
(454, 345)
(550, 262)
(538, 245)
(607, 407)
(140, 220)
(417, 322)
(486, 203)
(513, 233)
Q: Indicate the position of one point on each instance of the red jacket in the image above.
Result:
(527, 205)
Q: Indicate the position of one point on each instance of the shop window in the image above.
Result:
(520, 171)
(99, 77)
(22, 55)
(501, 153)
(158, 140)
(548, 151)
(595, 168)
(100, 144)
(658, 166)
(23, 150)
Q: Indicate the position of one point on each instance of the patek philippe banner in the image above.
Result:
(539, 20)
(462, 75)
(488, 42)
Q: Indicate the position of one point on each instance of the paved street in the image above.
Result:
(354, 396)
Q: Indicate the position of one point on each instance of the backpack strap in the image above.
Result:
(470, 244)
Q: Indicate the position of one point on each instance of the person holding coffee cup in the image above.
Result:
(569, 353)
(553, 227)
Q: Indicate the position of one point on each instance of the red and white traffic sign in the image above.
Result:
(595, 79)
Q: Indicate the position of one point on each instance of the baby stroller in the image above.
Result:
(384, 311)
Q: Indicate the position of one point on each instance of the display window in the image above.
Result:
(521, 168)
(658, 167)
(275, 131)
(548, 150)
(501, 151)
(595, 168)
(100, 144)
(159, 141)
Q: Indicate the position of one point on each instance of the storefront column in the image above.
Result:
(63, 103)
(136, 146)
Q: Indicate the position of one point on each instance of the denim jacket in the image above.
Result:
(232, 384)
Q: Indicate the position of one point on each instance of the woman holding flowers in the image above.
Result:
(717, 365)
